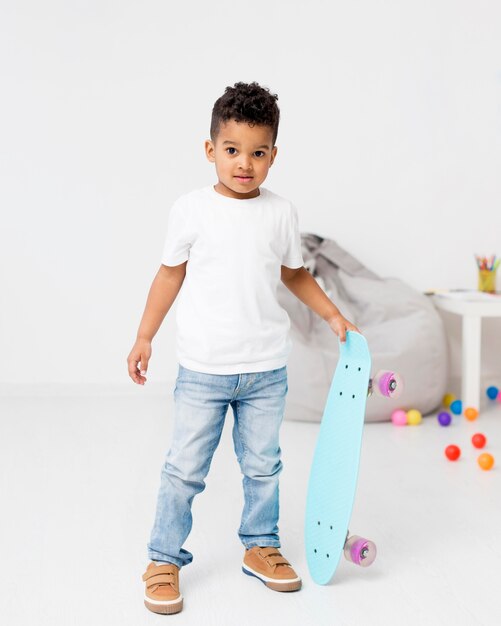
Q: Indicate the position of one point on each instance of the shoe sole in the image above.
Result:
(292, 584)
(165, 607)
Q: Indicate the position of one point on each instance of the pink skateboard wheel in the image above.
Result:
(388, 384)
(360, 551)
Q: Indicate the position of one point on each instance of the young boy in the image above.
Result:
(228, 245)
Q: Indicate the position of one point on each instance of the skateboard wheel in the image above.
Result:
(360, 551)
(388, 384)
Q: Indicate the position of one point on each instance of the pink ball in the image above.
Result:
(399, 417)
(499, 397)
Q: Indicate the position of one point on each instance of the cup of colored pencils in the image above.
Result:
(487, 267)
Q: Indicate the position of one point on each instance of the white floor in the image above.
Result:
(79, 478)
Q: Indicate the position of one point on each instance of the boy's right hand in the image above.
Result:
(140, 353)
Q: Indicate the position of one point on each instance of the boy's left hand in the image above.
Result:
(340, 325)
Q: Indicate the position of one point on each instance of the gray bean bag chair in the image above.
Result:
(403, 330)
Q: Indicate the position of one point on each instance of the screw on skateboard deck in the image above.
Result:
(334, 470)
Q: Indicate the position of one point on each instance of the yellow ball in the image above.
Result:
(448, 399)
(414, 417)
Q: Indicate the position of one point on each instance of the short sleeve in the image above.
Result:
(292, 256)
(178, 239)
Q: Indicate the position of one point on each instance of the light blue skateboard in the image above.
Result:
(334, 471)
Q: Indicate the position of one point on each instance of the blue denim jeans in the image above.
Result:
(201, 402)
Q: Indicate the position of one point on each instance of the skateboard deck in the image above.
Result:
(334, 470)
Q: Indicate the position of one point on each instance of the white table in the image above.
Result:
(472, 306)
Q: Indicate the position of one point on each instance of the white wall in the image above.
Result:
(389, 143)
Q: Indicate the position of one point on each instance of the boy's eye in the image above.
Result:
(260, 152)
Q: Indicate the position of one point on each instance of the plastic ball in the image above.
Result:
(492, 392)
(478, 440)
(486, 461)
(444, 418)
(452, 453)
(448, 400)
(499, 396)
(471, 413)
(457, 407)
(414, 417)
(399, 417)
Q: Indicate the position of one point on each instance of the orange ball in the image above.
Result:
(486, 461)
(471, 413)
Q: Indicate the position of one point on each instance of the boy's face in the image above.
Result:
(241, 151)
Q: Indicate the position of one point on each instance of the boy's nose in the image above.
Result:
(245, 164)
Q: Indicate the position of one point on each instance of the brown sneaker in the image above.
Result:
(161, 594)
(271, 568)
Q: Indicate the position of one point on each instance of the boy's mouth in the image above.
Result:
(243, 179)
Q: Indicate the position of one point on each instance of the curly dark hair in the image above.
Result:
(246, 102)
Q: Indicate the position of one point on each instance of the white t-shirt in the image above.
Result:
(229, 320)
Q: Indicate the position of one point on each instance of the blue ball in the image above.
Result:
(492, 392)
(444, 418)
(457, 407)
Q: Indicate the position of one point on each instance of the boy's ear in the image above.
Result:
(209, 150)
(273, 154)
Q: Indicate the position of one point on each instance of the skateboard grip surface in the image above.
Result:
(334, 470)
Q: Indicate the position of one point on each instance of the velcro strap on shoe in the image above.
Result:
(273, 557)
(160, 579)
(277, 560)
(267, 551)
(165, 570)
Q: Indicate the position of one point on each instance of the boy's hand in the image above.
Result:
(140, 353)
(340, 325)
